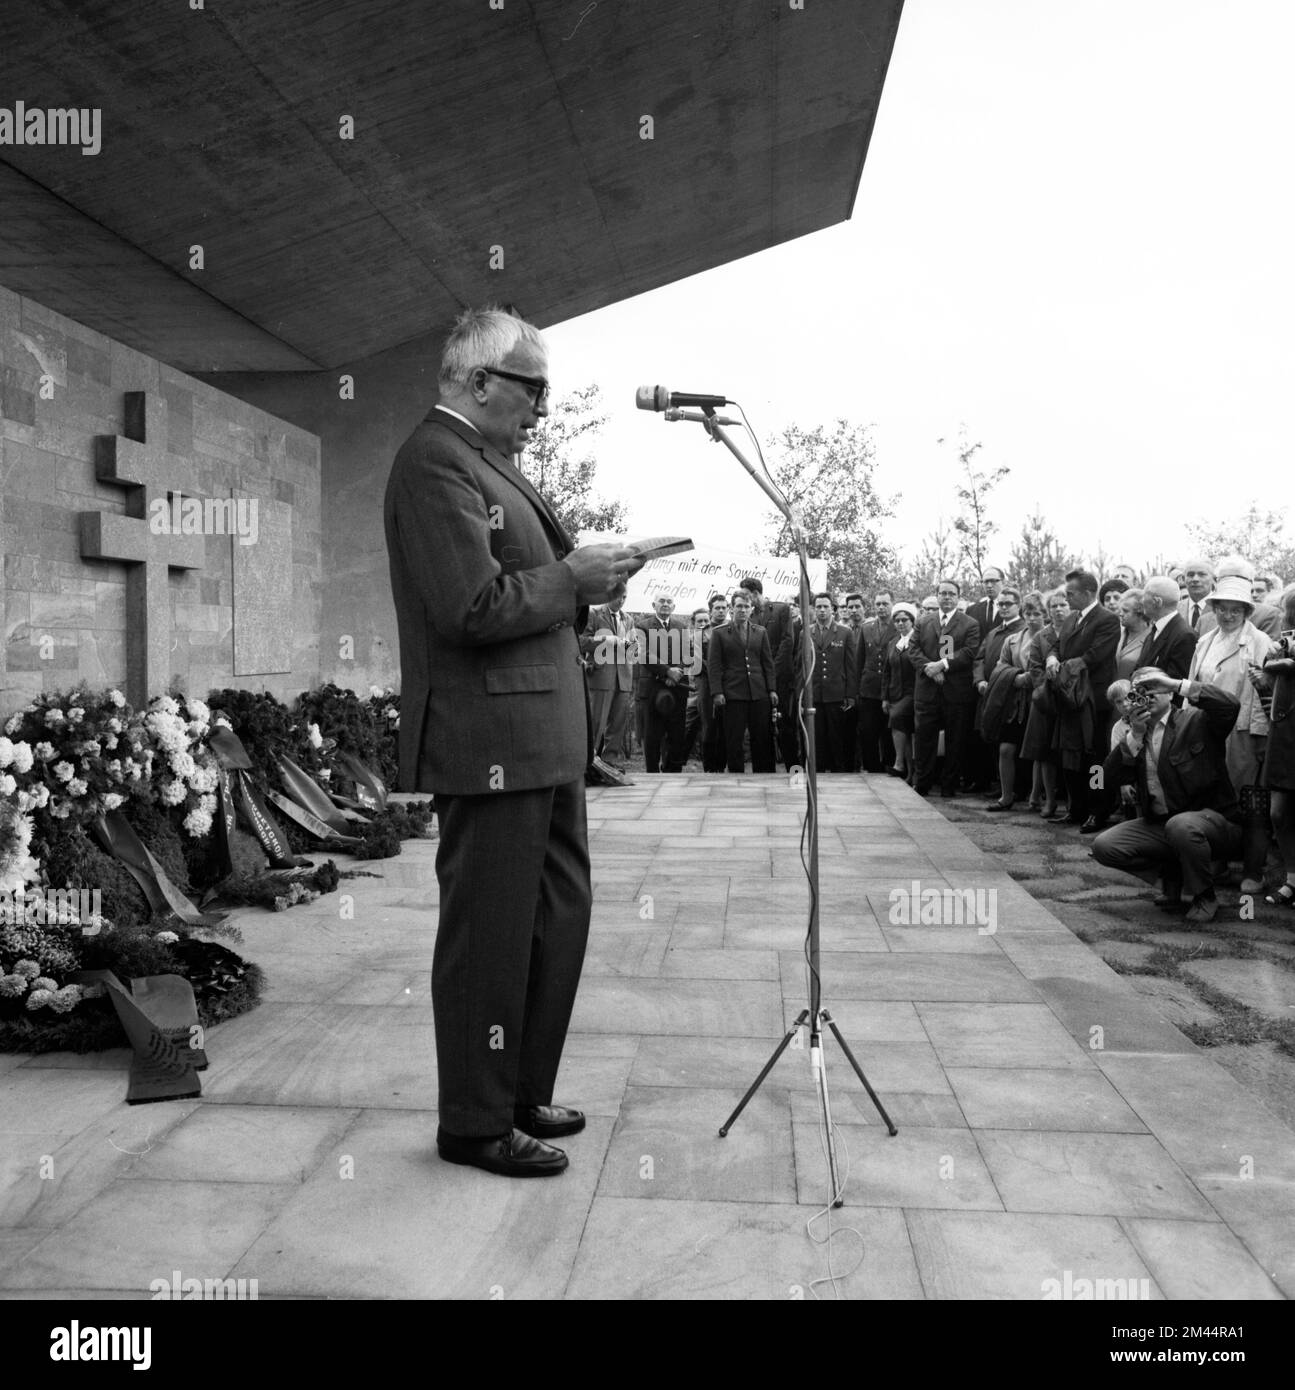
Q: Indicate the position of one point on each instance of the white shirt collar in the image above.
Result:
(1160, 623)
(1084, 612)
(457, 416)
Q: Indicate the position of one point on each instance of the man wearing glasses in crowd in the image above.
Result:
(944, 697)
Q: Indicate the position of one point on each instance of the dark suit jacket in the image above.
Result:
(978, 612)
(1094, 642)
(776, 620)
(959, 644)
(1192, 766)
(1171, 650)
(870, 657)
(609, 668)
(740, 671)
(492, 688)
(650, 676)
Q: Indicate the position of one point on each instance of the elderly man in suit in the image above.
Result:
(662, 684)
(489, 596)
(1170, 642)
(1198, 576)
(740, 677)
(1189, 815)
(609, 673)
(1086, 645)
(943, 653)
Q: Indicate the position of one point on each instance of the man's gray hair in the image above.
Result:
(1160, 586)
(483, 338)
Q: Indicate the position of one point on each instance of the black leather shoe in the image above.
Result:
(513, 1155)
(1092, 825)
(548, 1121)
(998, 806)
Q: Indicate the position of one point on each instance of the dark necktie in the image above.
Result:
(1196, 617)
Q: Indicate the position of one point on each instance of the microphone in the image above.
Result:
(673, 415)
(662, 398)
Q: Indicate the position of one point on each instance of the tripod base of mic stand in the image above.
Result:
(820, 1081)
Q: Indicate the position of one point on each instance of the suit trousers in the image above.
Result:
(663, 733)
(513, 869)
(617, 720)
(1184, 847)
(757, 715)
(829, 737)
(928, 720)
(600, 709)
(789, 749)
(850, 736)
(876, 746)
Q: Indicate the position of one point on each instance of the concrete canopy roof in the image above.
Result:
(474, 127)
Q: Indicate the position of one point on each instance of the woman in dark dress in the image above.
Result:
(1278, 776)
(1005, 692)
(1041, 723)
(898, 678)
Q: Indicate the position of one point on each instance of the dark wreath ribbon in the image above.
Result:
(235, 792)
(118, 838)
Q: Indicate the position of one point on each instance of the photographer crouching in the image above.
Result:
(1189, 815)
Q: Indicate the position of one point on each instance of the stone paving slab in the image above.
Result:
(961, 1254)
(1030, 1149)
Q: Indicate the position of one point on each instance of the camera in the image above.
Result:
(1139, 699)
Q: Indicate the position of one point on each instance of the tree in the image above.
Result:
(563, 474)
(827, 478)
(1037, 559)
(1259, 535)
(973, 523)
(936, 559)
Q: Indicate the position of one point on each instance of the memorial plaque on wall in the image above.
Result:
(263, 620)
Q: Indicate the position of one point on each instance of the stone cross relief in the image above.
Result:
(138, 462)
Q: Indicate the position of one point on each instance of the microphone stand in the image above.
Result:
(816, 1014)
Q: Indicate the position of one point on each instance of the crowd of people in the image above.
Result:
(1153, 714)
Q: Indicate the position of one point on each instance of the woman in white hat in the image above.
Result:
(898, 676)
(1223, 657)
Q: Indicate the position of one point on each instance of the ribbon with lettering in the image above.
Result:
(238, 789)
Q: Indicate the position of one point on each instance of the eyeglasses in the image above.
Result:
(536, 387)
(948, 593)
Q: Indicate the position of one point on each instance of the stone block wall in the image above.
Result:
(65, 617)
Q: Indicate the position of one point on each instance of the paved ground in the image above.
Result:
(1053, 1125)
(1229, 986)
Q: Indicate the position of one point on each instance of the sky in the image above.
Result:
(1073, 236)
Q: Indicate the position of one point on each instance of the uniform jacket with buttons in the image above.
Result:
(736, 669)
(871, 643)
(492, 687)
